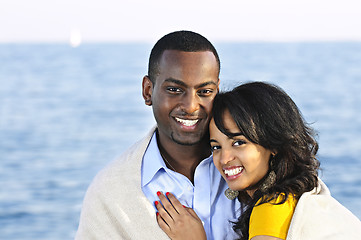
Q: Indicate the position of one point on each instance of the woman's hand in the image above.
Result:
(178, 221)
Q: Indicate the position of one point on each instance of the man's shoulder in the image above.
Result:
(129, 162)
(134, 152)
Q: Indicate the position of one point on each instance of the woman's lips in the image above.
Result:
(233, 172)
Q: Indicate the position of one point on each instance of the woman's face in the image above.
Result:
(241, 162)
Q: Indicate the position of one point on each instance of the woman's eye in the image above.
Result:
(239, 143)
(213, 148)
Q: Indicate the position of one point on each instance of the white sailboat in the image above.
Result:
(75, 38)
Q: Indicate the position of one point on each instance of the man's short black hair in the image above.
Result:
(186, 41)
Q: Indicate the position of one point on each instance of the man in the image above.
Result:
(182, 81)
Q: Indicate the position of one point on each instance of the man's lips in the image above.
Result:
(233, 172)
(187, 122)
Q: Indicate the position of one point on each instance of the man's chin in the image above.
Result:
(187, 140)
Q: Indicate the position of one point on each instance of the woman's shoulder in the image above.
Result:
(273, 217)
(279, 199)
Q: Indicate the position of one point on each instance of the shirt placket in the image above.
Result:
(202, 192)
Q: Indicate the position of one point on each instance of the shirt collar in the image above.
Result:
(152, 161)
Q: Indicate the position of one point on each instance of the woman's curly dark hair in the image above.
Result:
(267, 116)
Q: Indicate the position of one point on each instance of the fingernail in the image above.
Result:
(167, 193)
(184, 206)
(158, 193)
(157, 213)
(156, 203)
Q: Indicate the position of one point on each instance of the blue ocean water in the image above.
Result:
(66, 112)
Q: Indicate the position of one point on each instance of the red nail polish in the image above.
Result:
(157, 213)
(167, 193)
(184, 206)
(156, 203)
(158, 193)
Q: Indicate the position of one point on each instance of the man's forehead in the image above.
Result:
(188, 68)
(178, 54)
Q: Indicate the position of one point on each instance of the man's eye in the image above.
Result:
(239, 143)
(174, 89)
(205, 92)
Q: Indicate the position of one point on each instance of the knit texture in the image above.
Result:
(318, 216)
(114, 206)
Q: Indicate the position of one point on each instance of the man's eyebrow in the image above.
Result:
(212, 140)
(181, 83)
(206, 84)
(176, 81)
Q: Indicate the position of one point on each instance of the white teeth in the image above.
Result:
(233, 171)
(187, 123)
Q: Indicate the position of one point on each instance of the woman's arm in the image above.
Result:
(178, 221)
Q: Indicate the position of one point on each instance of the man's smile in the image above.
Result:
(187, 122)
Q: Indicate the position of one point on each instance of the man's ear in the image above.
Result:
(147, 90)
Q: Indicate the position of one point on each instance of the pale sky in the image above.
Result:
(148, 20)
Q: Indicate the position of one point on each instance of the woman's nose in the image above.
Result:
(226, 156)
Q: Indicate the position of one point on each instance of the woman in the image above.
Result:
(267, 155)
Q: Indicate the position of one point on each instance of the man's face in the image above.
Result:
(183, 94)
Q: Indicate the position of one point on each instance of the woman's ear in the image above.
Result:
(273, 153)
(147, 90)
(272, 159)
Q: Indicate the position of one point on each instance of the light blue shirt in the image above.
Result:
(206, 196)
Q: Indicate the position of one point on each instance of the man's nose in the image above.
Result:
(191, 102)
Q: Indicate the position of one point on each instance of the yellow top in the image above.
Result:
(272, 220)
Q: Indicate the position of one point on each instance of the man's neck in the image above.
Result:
(183, 158)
